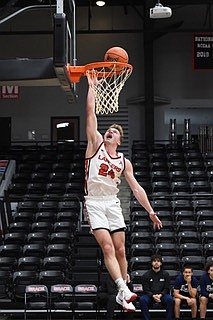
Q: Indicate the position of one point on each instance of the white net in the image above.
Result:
(109, 85)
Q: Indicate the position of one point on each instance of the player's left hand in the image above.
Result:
(92, 78)
(157, 224)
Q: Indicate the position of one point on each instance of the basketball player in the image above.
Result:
(104, 166)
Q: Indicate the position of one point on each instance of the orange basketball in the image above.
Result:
(116, 54)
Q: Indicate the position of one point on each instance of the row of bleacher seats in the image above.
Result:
(168, 153)
(177, 227)
(46, 172)
(47, 177)
(164, 146)
(178, 181)
(46, 258)
(49, 210)
(42, 191)
(42, 243)
(179, 202)
(43, 148)
(48, 168)
(173, 170)
(51, 244)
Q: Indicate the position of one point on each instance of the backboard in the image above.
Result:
(64, 47)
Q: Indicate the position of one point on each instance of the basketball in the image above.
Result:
(116, 54)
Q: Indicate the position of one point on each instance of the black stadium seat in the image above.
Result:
(29, 263)
(10, 250)
(34, 250)
(20, 280)
(15, 238)
(207, 237)
(141, 237)
(51, 277)
(165, 236)
(167, 249)
(40, 237)
(8, 263)
(56, 263)
(61, 237)
(188, 236)
(140, 263)
(59, 249)
(85, 297)
(61, 297)
(190, 249)
(5, 284)
(196, 262)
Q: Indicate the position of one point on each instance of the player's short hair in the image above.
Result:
(208, 265)
(120, 129)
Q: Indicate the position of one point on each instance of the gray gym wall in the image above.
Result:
(189, 91)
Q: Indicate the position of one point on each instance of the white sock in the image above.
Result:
(120, 283)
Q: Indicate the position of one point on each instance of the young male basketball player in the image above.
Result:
(104, 166)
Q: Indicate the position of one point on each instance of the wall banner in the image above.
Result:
(203, 51)
(9, 92)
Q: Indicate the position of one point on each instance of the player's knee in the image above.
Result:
(107, 249)
(121, 252)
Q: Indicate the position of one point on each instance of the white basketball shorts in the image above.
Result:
(104, 213)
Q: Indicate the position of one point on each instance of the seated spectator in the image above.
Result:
(206, 289)
(156, 288)
(185, 291)
(107, 295)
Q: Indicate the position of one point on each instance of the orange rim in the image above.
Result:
(76, 72)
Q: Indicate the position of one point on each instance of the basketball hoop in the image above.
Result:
(111, 78)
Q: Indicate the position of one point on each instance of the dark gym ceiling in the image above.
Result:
(8, 7)
(24, 3)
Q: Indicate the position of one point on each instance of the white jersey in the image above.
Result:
(103, 173)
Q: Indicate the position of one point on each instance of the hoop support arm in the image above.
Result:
(75, 72)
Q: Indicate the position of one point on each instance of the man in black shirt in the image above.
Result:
(156, 289)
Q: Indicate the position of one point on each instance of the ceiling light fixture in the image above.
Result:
(159, 11)
(100, 3)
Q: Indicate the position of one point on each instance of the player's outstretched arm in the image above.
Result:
(93, 136)
(140, 194)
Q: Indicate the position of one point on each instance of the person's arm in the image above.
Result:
(146, 286)
(165, 287)
(94, 137)
(192, 288)
(180, 296)
(177, 285)
(140, 194)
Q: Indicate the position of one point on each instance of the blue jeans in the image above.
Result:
(146, 303)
